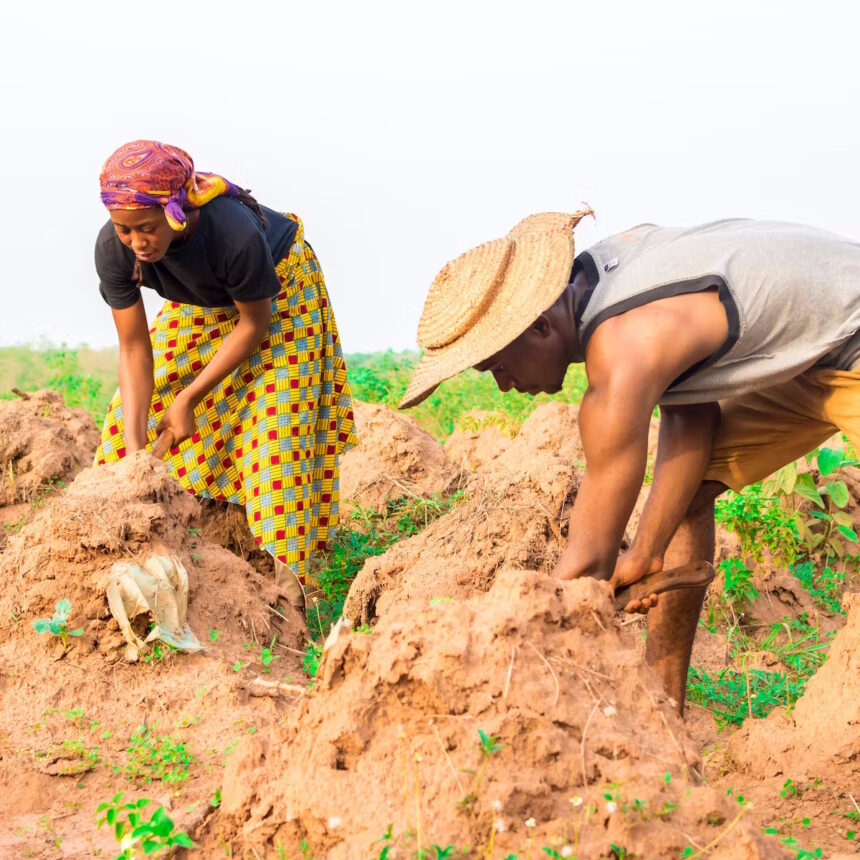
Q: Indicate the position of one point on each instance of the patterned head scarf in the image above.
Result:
(147, 173)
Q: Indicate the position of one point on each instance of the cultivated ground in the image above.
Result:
(472, 706)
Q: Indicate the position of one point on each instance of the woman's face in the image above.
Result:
(145, 231)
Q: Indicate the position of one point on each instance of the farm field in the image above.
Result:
(471, 707)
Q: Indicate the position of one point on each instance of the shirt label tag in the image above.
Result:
(611, 265)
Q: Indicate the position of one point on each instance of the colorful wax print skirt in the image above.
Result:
(269, 436)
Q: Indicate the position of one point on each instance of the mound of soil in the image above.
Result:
(822, 734)
(514, 513)
(588, 750)
(126, 511)
(479, 437)
(42, 444)
(394, 457)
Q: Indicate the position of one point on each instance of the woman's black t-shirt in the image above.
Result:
(230, 256)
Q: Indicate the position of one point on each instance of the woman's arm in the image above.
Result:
(253, 323)
(135, 373)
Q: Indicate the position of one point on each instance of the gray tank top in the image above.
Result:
(791, 294)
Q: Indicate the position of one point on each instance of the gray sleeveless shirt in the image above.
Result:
(791, 294)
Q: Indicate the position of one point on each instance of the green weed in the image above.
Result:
(760, 522)
(132, 830)
(825, 588)
(311, 658)
(156, 758)
(733, 696)
(372, 532)
(738, 589)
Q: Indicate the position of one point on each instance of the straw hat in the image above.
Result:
(487, 297)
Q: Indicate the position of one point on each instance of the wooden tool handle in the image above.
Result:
(163, 444)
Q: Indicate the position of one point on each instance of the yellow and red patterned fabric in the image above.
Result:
(146, 173)
(269, 436)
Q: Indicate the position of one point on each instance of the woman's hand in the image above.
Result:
(178, 420)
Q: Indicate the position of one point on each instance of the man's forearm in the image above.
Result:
(615, 437)
(684, 450)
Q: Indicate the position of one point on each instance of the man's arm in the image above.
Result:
(613, 422)
(631, 360)
(683, 452)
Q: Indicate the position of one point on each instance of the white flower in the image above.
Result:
(611, 807)
(530, 822)
(500, 825)
(609, 711)
(576, 801)
(334, 822)
(497, 805)
(566, 851)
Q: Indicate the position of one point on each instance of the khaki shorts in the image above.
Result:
(763, 431)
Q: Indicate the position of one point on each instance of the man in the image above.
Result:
(744, 333)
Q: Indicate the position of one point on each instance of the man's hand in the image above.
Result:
(631, 568)
(178, 420)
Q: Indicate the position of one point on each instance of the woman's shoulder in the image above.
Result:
(227, 216)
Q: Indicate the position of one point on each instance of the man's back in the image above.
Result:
(791, 295)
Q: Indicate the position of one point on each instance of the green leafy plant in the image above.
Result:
(733, 696)
(151, 757)
(268, 656)
(824, 528)
(58, 623)
(738, 589)
(761, 523)
(153, 836)
(825, 586)
(311, 658)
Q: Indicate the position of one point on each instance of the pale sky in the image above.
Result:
(405, 133)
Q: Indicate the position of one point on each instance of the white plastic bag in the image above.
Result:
(158, 589)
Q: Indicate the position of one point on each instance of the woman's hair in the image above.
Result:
(249, 201)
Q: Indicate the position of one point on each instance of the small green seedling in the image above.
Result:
(155, 836)
(58, 623)
(267, 656)
(489, 745)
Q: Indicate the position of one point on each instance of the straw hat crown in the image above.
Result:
(487, 297)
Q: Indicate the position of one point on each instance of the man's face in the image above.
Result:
(145, 231)
(533, 363)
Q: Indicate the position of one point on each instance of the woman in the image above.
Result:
(241, 376)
